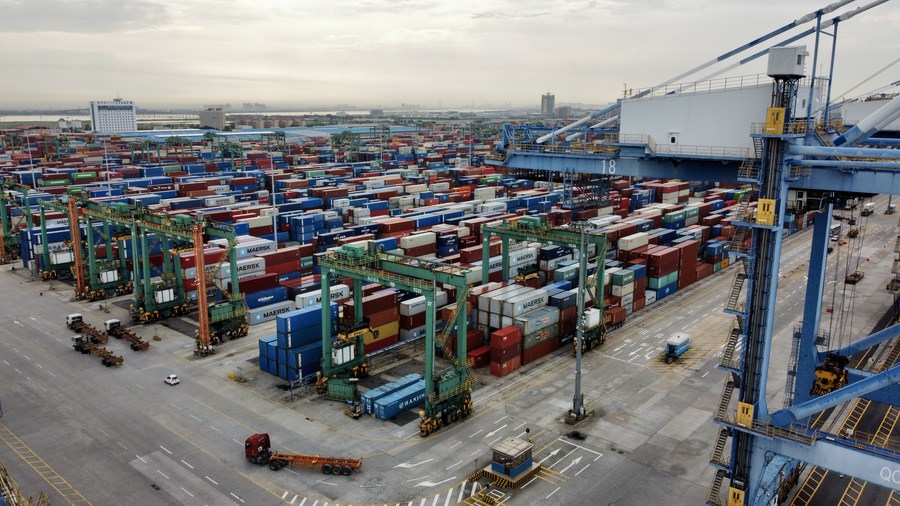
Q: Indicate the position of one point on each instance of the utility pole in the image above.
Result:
(577, 412)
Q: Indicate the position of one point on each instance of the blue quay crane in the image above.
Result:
(790, 151)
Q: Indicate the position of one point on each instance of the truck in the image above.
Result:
(258, 450)
(868, 208)
(83, 344)
(115, 329)
(76, 322)
(676, 346)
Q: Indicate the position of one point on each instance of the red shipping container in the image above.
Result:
(411, 322)
(257, 283)
(381, 342)
(503, 368)
(540, 350)
(504, 354)
(506, 337)
(418, 251)
(474, 339)
(480, 356)
(616, 315)
(210, 256)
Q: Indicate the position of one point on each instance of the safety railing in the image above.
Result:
(719, 84)
(708, 151)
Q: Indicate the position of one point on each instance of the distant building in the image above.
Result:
(213, 117)
(114, 116)
(564, 112)
(376, 113)
(548, 103)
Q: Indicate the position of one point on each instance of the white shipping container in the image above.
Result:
(486, 193)
(342, 202)
(61, 257)
(649, 297)
(492, 207)
(257, 221)
(416, 240)
(628, 299)
(440, 187)
(408, 334)
(163, 296)
(619, 291)
(218, 201)
(343, 355)
(634, 241)
(252, 265)
(607, 275)
(338, 292)
(591, 318)
(109, 276)
(268, 313)
(512, 292)
(484, 300)
(495, 321)
(524, 303)
(484, 318)
(523, 256)
(416, 188)
(551, 265)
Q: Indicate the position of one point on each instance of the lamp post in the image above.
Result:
(272, 200)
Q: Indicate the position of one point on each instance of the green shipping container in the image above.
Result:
(623, 277)
(306, 263)
(691, 212)
(717, 266)
(567, 273)
(656, 283)
(672, 278)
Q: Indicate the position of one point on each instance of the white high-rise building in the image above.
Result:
(212, 117)
(114, 116)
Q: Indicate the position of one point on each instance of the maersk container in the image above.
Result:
(494, 299)
(538, 319)
(524, 303)
(368, 398)
(244, 266)
(396, 403)
(314, 298)
(268, 313)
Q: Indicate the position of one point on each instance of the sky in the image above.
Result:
(380, 53)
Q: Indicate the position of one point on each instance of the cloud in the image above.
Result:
(80, 16)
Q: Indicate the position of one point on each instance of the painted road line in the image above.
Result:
(141, 459)
(163, 474)
(529, 482)
(120, 444)
(186, 492)
(195, 418)
(165, 450)
(454, 465)
(477, 433)
(581, 447)
(238, 498)
(185, 463)
(210, 480)
(455, 445)
(582, 469)
(284, 494)
(491, 443)
(551, 493)
(520, 426)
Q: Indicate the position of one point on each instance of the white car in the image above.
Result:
(172, 379)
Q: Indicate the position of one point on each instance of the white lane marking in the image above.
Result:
(454, 465)
(494, 441)
(477, 433)
(215, 429)
(457, 444)
(294, 499)
(42, 388)
(551, 493)
(408, 465)
(210, 479)
(39, 365)
(238, 442)
(433, 484)
(26, 356)
(238, 498)
(498, 429)
(19, 324)
(186, 492)
(500, 420)
(51, 374)
(18, 371)
(574, 461)
(7, 363)
(449, 495)
(462, 490)
(419, 478)
(563, 458)
(582, 469)
(28, 378)
(16, 350)
(165, 450)
(185, 463)
(476, 452)
(284, 494)
(174, 406)
(411, 435)
(704, 374)
(529, 482)
(120, 444)
(103, 432)
(436, 497)
(141, 459)
(580, 447)
(303, 501)
(195, 418)
(160, 472)
(139, 385)
(520, 425)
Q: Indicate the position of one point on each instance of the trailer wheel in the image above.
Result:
(326, 468)
(346, 470)
(275, 464)
(104, 362)
(336, 469)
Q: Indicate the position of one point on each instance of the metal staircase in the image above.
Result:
(714, 499)
(725, 401)
(729, 362)
(718, 458)
(792, 368)
(733, 305)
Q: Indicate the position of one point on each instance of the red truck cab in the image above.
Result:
(257, 448)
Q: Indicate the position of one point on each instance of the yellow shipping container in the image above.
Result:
(388, 330)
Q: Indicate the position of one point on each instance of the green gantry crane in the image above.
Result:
(10, 245)
(448, 392)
